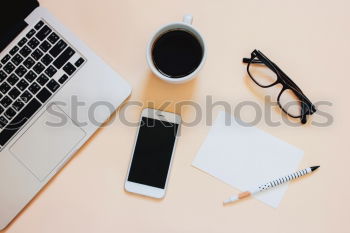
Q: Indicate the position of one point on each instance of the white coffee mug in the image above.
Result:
(186, 25)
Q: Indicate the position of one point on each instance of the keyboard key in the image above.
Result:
(25, 51)
(10, 113)
(53, 38)
(34, 88)
(20, 71)
(9, 67)
(30, 76)
(28, 63)
(69, 68)
(43, 33)
(5, 59)
(58, 48)
(45, 46)
(26, 96)
(50, 71)
(14, 93)
(30, 33)
(39, 25)
(4, 87)
(17, 59)
(44, 95)
(63, 79)
(22, 42)
(18, 105)
(6, 101)
(14, 50)
(42, 80)
(13, 79)
(22, 85)
(79, 62)
(17, 122)
(53, 85)
(38, 68)
(64, 57)
(3, 76)
(1, 109)
(33, 43)
(37, 54)
(47, 59)
(3, 122)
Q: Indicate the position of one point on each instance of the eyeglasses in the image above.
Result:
(266, 74)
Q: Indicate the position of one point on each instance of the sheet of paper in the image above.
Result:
(245, 156)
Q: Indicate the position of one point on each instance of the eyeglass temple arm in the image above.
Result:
(255, 61)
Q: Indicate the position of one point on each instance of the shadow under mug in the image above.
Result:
(186, 25)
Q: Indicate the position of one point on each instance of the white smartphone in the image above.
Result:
(153, 151)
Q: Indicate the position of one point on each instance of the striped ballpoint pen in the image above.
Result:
(271, 184)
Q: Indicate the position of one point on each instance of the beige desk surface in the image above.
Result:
(308, 39)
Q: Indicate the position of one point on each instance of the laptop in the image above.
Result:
(54, 94)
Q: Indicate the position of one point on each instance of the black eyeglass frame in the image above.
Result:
(307, 108)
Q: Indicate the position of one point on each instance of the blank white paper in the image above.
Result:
(244, 156)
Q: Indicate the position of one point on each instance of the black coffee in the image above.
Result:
(177, 53)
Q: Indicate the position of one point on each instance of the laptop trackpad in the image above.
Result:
(44, 145)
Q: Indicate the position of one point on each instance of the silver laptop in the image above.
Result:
(54, 94)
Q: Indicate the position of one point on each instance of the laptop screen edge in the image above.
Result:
(12, 23)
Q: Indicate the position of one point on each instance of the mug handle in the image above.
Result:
(187, 19)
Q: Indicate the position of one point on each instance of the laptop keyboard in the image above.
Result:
(31, 73)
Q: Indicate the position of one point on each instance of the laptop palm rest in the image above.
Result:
(47, 142)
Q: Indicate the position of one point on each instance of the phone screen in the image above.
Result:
(153, 151)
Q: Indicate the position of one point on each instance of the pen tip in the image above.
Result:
(314, 168)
